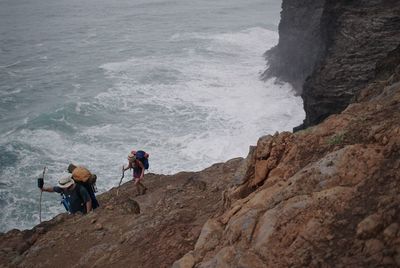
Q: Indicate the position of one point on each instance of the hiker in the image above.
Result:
(77, 198)
(138, 161)
(83, 176)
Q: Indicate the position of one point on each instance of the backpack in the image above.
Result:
(143, 157)
(85, 178)
(66, 202)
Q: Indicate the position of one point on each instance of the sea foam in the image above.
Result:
(200, 104)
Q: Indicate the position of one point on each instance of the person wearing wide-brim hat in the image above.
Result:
(77, 196)
(81, 175)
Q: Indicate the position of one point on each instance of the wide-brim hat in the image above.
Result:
(65, 182)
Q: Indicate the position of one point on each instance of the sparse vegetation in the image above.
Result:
(336, 139)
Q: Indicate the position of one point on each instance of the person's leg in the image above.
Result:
(137, 185)
(144, 188)
(140, 188)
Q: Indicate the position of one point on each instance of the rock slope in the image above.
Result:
(327, 196)
(152, 230)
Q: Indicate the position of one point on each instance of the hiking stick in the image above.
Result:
(40, 207)
(40, 199)
(120, 181)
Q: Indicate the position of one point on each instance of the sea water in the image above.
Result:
(85, 82)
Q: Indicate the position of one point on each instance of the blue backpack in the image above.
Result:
(143, 157)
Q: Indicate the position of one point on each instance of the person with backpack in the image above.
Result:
(83, 176)
(76, 198)
(138, 161)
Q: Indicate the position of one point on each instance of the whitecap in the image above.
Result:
(10, 65)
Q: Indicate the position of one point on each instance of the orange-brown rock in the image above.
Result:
(327, 196)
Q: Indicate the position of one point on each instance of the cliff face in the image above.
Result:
(300, 42)
(334, 53)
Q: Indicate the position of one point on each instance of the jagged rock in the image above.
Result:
(186, 261)
(315, 213)
(388, 261)
(98, 227)
(373, 246)
(250, 259)
(239, 176)
(397, 259)
(369, 225)
(261, 171)
(131, 206)
(96, 255)
(223, 259)
(391, 231)
(209, 236)
(264, 230)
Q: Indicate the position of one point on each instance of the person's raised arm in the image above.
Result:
(127, 167)
(47, 189)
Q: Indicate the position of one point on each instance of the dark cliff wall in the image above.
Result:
(337, 57)
(300, 44)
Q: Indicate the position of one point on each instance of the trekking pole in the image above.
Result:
(40, 185)
(120, 181)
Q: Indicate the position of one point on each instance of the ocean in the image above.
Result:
(86, 82)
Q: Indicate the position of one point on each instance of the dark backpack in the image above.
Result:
(89, 185)
(143, 157)
(91, 189)
(66, 202)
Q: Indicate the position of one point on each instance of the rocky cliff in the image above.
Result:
(329, 50)
(326, 196)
